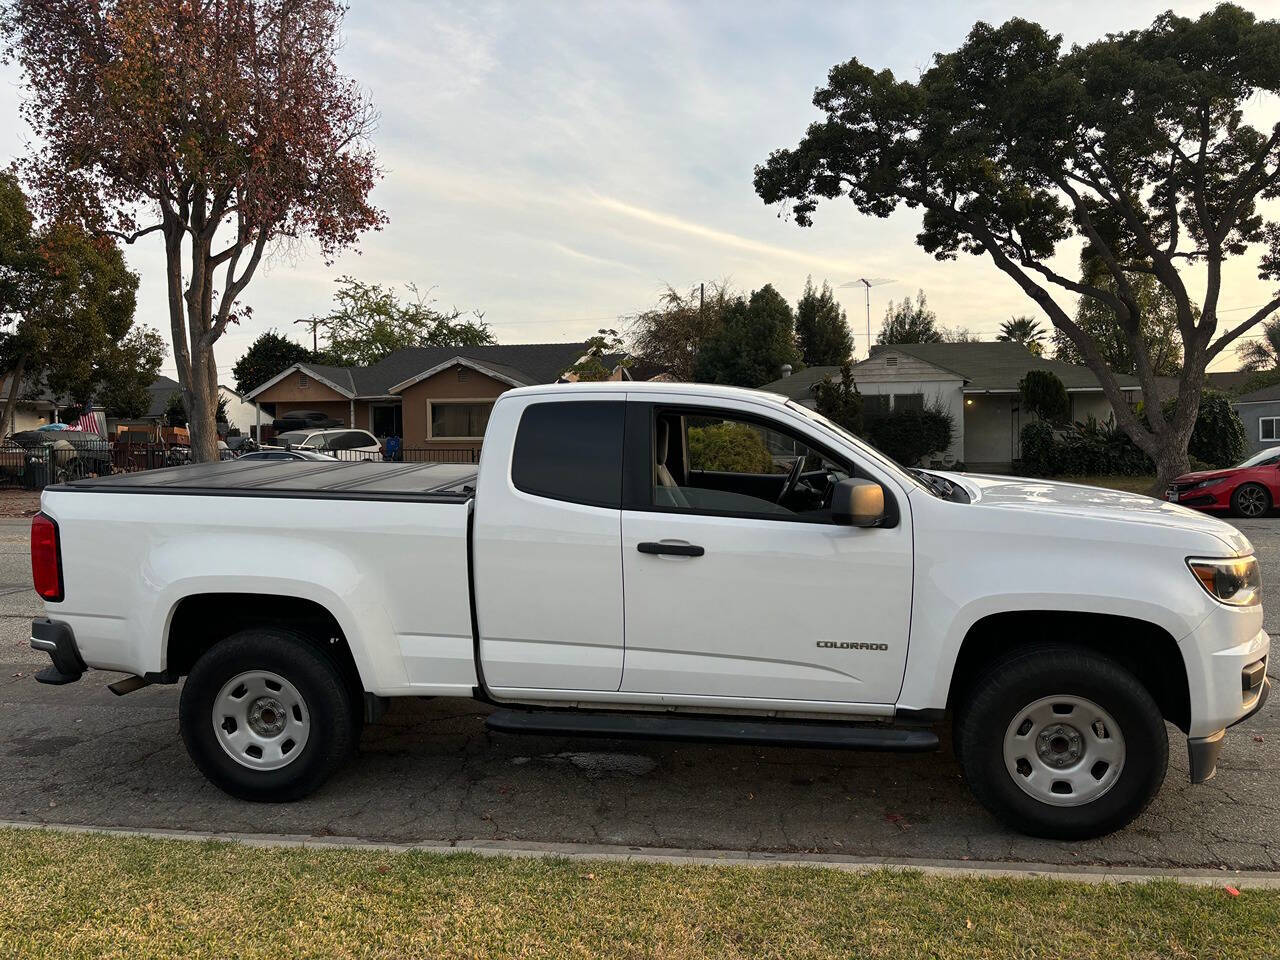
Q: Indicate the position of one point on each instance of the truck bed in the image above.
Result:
(357, 480)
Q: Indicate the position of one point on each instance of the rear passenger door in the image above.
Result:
(547, 545)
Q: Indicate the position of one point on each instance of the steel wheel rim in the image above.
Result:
(1064, 750)
(261, 720)
(1252, 503)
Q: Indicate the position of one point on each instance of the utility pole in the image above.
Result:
(315, 322)
(702, 292)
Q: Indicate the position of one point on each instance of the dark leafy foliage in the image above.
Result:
(910, 435)
(839, 400)
(1044, 395)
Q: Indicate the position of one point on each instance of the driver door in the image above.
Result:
(738, 587)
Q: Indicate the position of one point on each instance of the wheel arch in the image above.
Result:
(200, 620)
(1145, 649)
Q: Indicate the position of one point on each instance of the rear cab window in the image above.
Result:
(571, 450)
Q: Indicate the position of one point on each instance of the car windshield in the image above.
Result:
(1269, 455)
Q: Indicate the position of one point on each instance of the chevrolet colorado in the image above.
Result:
(667, 561)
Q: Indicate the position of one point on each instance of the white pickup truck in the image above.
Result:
(667, 561)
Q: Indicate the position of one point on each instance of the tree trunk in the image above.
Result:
(202, 405)
(11, 401)
(1171, 461)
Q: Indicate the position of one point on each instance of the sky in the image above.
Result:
(555, 165)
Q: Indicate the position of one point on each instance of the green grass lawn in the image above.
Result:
(72, 895)
(1112, 482)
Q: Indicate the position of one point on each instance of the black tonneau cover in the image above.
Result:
(298, 479)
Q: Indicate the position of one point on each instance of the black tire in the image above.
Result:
(1009, 686)
(333, 721)
(1250, 500)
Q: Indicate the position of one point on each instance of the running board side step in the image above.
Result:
(665, 726)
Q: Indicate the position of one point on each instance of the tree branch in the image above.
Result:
(1260, 314)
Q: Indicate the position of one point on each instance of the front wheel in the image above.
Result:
(1061, 742)
(266, 715)
(1250, 500)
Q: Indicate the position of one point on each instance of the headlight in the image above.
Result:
(1237, 582)
(1208, 483)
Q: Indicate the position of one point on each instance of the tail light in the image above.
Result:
(46, 558)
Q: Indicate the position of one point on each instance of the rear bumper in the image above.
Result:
(57, 640)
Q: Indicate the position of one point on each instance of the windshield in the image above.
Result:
(887, 462)
(293, 438)
(1261, 458)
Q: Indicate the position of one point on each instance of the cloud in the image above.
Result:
(722, 237)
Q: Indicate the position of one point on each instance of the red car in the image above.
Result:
(1249, 489)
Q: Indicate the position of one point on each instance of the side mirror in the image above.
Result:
(857, 503)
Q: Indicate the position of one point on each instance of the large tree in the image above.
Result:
(132, 365)
(910, 322)
(1135, 144)
(1158, 324)
(670, 335)
(220, 125)
(758, 338)
(266, 357)
(369, 321)
(66, 302)
(822, 329)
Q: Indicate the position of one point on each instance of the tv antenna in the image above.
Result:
(866, 283)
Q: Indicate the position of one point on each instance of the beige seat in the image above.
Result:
(666, 492)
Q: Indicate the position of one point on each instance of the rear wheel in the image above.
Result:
(1061, 742)
(266, 715)
(1250, 500)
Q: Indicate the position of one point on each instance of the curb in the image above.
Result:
(1243, 879)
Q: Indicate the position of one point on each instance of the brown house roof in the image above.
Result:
(523, 364)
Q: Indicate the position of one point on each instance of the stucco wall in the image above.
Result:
(1250, 414)
(890, 372)
(455, 383)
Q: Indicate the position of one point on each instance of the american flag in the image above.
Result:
(88, 422)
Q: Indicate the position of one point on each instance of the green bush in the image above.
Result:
(728, 447)
(1039, 449)
(1044, 395)
(1083, 448)
(1218, 437)
(909, 435)
(839, 400)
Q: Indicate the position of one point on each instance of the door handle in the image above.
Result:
(670, 549)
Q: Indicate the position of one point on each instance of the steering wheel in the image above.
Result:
(793, 479)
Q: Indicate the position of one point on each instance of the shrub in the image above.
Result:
(730, 447)
(909, 435)
(1218, 437)
(1039, 449)
(1044, 395)
(839, 400)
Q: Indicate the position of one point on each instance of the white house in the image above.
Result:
(976, 382)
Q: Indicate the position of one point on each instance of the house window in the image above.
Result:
(908, 401)
(875, 405)
(1269, 428)
(465, 420)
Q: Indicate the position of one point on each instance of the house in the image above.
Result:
(430, 397)
(241, 414)
(976, 382)
(1259, 411)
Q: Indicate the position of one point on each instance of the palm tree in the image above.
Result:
(1024, 330)
(1264, 352)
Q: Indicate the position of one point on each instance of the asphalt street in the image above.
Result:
(430, 771)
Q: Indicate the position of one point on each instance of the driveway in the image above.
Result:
(430, 771)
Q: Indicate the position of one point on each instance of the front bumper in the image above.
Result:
(1203, 752)
(56, 639)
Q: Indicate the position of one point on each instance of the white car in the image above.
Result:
(342, 443)
(667, 561)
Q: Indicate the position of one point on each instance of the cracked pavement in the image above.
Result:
(430, 771)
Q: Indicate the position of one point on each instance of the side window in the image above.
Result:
(571, 450)
(706, 462)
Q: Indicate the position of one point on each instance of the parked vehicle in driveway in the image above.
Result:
(307, 455)
(303, 420)
(342, 444)
(667, 561)
(1249, 489)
